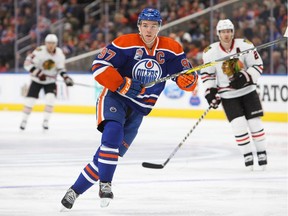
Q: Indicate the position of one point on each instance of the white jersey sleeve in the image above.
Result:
(252, 61)
(208, 75)
(31, 62)
(61, 60)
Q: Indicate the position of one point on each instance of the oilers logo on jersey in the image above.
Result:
(127, 56)
(147, 70)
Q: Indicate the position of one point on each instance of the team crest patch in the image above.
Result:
(138, 54)
(247, 41)
(48, 64)
(147, 70)
(206, 49)
(113, 109)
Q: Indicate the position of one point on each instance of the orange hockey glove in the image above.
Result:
(131, 87)
(187, 82)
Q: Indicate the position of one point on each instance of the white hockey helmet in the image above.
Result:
(51, 38)
(224, 24)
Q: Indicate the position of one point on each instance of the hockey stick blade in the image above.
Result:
(152, 165)
(161, 166)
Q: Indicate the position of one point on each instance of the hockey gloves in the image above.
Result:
(39, 74)
(68, 81)
(131, 87)
(212, 98)
(187, 82)
(240, 80)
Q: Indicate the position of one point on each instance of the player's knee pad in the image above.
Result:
(30, 101)
(239, 125)
(113, 134)
(242, 137)
(50, 98)
(257, 129)
(255, 124)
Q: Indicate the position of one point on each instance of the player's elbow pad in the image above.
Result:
(255, 72)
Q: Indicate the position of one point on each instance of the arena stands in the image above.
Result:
(83, 30)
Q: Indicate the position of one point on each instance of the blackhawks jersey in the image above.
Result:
(49, 64)
(213, 77)
(130, 57)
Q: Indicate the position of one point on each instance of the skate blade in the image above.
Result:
(263, 167)
(104, 202)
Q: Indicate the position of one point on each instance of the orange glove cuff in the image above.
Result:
(187, 82)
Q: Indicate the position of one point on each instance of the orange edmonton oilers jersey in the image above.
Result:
(127, 56)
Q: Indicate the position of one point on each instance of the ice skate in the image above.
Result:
(105, 193)
(45, 125)
(23, 125)
(248, 158)
(69, 198)
(262, 159)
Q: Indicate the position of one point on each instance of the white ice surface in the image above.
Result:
(206, 177)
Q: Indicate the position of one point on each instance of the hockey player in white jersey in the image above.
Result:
(44, 64)
(234, 84)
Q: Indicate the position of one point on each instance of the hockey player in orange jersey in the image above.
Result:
(123, 68)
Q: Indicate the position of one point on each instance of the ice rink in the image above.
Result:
(206, 177)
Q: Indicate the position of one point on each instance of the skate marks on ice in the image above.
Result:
(206, 177)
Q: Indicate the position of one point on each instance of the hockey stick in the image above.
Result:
(161, 166)
(79, 84)
(212, 63)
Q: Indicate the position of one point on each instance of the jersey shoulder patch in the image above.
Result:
(247, 41)
(38, 49)
(207, 49)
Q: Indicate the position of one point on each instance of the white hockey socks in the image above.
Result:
(240, 130)
(29, 103)
(258, 134)
(49, 99)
